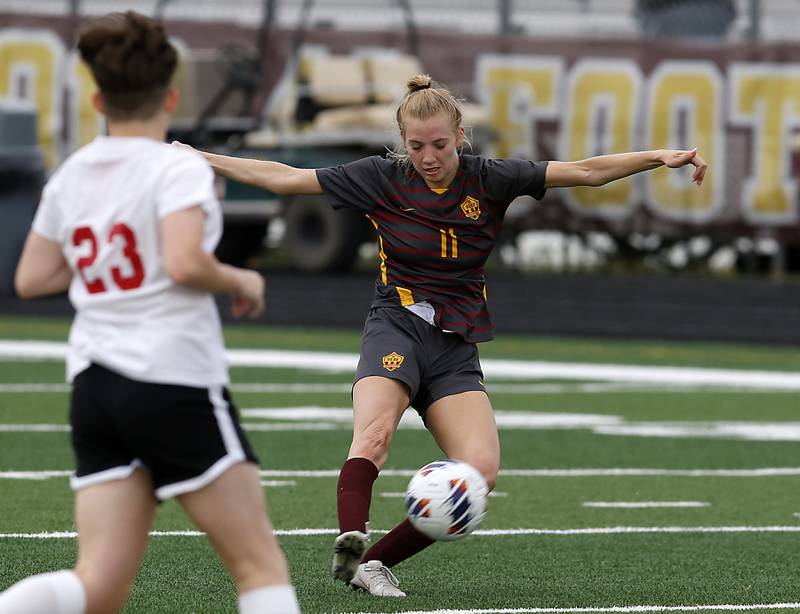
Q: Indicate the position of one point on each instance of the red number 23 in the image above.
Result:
(84, 235)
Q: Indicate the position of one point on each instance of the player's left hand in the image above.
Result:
(248, 298)
(678, 158)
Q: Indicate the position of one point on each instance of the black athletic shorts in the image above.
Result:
(185, 437)
(433, 364)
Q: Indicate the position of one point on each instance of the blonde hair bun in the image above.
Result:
(419, 82)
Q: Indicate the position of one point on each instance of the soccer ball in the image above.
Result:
(446, 499)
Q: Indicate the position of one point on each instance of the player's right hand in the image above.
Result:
(248, 298)
(678, 158)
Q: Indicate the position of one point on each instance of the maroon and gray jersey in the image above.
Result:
(433, 246)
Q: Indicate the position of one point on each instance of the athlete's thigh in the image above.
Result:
(230, 508)
(232, 511)
(464, 427)
(388, 373)
(113, 520)
(378, 399)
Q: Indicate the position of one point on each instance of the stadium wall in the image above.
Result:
(627, 307)
(624, 307)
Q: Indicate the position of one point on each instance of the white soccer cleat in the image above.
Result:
(375, 578)
(347, 552)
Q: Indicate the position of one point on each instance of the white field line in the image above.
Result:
(278, 483)
(295, 426)
(501, 369)
(35, 388)
(619, 609)
(483, 533)
(247, 426)
(333, 419)
(644, 504)
(638, 530)
(529, 473)
(187, 533)
(326, 419)
(34, 428)
(401, 495)
(498, 388)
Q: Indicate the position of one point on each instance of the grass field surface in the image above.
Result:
(614, 496)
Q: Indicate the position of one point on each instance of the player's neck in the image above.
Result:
(145, 128)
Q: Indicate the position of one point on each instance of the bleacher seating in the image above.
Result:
(602, 18)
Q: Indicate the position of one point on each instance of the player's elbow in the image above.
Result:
(593, 178)
(24, 285)
(185, 269)
(23, 289)
(575, 174)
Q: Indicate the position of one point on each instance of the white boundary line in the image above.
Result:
(481, 533)
(402, 495)
(635, 505)
(34, 428)
(493, 388)
(33, 387)
(506, 420)
(637, 530)
(620, 609)
(338, 362)
(531, 473)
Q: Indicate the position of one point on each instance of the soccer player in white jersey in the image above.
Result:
(129, 225)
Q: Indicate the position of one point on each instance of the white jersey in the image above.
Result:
(104, 207)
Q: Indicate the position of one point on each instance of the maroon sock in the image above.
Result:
(402, 542)
(354, 494)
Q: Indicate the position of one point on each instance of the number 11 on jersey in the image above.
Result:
(453, 243)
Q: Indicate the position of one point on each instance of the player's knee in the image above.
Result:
(491, 478)
(373, 442)
(488, 468)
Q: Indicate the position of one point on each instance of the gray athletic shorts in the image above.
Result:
(433, 364)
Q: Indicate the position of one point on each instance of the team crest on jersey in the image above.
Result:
(471, 208)
(392, 361)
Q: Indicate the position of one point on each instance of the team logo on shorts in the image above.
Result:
(392, 361)
(471, 208)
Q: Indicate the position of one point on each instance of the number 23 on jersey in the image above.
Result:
(122, 235)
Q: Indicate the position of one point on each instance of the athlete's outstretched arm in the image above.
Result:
(600, 170)
(273, 176)
(42, 268)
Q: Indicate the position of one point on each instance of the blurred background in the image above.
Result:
(315, 83)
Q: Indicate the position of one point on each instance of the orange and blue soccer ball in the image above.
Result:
(446, 499)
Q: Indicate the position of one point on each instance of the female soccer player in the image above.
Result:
(129, 225)
(437, 212)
